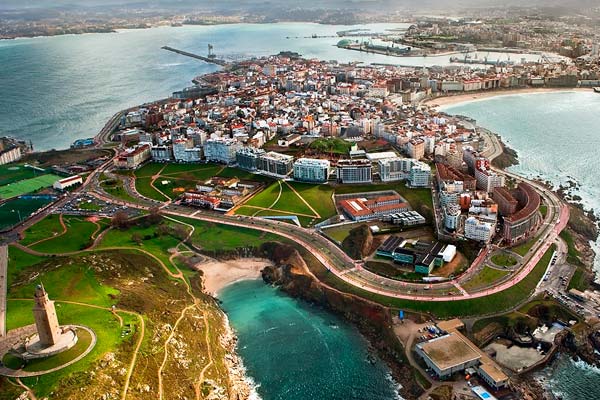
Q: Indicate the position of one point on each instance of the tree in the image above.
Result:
(120, 220)
(136, 238)
(154, 216)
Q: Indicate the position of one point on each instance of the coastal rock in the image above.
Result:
(374, 321)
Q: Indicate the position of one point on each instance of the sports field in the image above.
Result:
(14, 211)
(11, 173)
(27, 186)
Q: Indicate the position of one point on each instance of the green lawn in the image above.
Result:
(209, 236)
(579, 280)
(523, 248)
(318, 196)
(149, 170)
(480, 306)
(77, 237)
(74, 281)
(504, 260)
(339, 233)
(11, 173)
(331, 146)
(544, 210)
(152, 242)
(47, 227)
(19, 260)
(142, 185)
(485, 278)
(27, 186)
(266, 197)
(115, 188)
(573, 254)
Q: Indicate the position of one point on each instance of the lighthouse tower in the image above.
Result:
(45, 317)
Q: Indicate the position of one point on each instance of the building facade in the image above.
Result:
(312, 170)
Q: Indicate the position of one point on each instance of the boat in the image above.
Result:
(597, 89)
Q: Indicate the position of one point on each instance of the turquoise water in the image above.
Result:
(54, 90)
(295, 351)
(557, 138)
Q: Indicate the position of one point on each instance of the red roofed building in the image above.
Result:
(360, 209)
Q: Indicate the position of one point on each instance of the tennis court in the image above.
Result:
(27, 186)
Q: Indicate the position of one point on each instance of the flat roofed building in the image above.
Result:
(492, 375)
(394, 168)
(449, 354)
(247, 157)
(311, 170)
(354, 171)
(275, 164)
(221, 150)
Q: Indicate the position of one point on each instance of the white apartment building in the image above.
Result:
(311, 170)
(478, 230)
(221, 150)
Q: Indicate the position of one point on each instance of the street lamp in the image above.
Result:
(18, 213)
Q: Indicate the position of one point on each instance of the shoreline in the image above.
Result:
(218, 274)
(452, 100)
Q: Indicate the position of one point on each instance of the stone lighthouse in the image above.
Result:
(45, 317)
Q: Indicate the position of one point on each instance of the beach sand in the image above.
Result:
(218, 274)
(465, 97)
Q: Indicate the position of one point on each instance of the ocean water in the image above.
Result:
(54, 90)
(295, 351)
(571, 380)
(556, 137)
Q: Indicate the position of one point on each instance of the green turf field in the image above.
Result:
(27, 186)
(12, 173)
(14, 211)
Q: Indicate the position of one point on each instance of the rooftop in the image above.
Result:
(449, 351)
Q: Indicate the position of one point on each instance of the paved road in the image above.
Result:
(3, 287)
(347, 269)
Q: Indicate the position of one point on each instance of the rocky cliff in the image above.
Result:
(373, 320)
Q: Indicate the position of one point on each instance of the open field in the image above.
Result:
(77, 237)
(47, 227)
(318, 196)
(504, 260)
(115, 188)
(486, 277)
(573, 254)
(11, 173)
(27, 186)
(143, 186)
(523, 248)
(579, 280)
(281, 199)
(340, 232)
(14, 211)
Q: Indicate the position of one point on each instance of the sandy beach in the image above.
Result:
(218, 274)
(465, 97)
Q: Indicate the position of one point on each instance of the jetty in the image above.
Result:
(211, 59)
